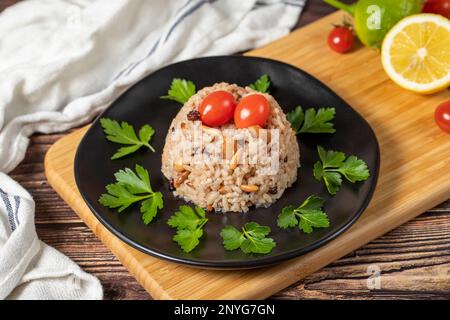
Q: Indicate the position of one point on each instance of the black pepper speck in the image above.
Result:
(193, 115)
(273, 190)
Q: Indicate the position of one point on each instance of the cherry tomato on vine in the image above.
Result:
(252, 110)
(441, 7)
(217, 108)
(442, 116)
(340, 39)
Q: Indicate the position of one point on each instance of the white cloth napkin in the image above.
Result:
(63, 61)
(29, 269)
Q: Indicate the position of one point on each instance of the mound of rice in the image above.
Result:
(232, 184)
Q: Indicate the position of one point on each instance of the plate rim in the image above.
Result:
(262, 261)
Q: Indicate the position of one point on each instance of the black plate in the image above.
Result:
(291, 87)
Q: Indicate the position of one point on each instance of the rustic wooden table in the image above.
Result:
(414, 259)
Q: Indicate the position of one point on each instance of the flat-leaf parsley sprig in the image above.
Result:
(334, 164)
(262, 84)
(124, 133)
(312, 121)
(307, 216)
(180, 91)
(131, 188)
(251, 239)
(189, 224)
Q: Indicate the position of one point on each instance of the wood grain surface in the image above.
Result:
(414, 258)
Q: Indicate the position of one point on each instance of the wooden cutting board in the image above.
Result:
(414, 176)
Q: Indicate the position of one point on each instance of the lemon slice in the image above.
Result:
(416, 53)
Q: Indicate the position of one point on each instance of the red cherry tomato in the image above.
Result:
(340, 39)
(217, 108)
(442, 116)
(252, 110)
(441, 7)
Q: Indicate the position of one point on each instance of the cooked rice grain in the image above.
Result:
(220, 185)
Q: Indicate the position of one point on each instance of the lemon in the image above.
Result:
(416, 53)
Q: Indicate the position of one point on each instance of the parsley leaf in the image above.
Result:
(296, 118)
(262, 84)
(354, 169)
(189, 225)
(124, 134)
(188, 239)
(330, 158)
(333, 165)
(136, 183)
(149, 208)
(316, 219)
(232, 238)
(332, 180)
(312, 121)
(252, 238)
(307, 216)
(187, 218)
(180, 91)
(130, 188)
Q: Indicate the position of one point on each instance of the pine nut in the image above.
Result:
(178, 166)
(181, 178)
(249, 188)
(234, 161)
